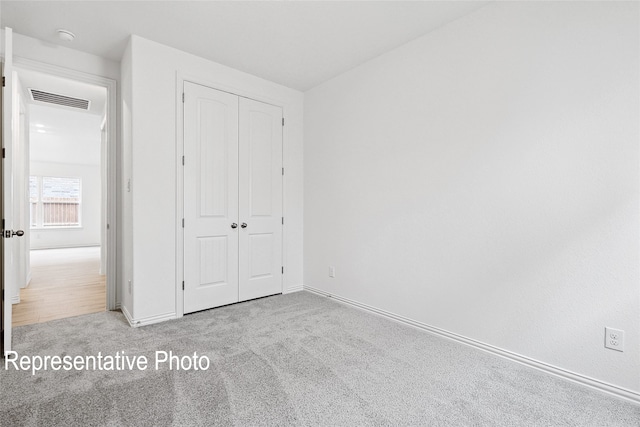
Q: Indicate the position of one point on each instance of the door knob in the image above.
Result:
(244, 225)
(7, 234)
(234, 225)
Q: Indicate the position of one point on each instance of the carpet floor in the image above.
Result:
(296, 359)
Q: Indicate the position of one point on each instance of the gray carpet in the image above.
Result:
(296, 359)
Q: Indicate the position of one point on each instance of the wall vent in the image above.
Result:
(53, 98)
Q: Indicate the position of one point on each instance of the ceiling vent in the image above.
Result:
(53, 98)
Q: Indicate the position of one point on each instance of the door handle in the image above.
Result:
(244, 225)
(7, 234)
(234, 225)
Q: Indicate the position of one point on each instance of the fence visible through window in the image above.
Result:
(55, 201)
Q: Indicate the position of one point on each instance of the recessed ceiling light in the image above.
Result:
(66, 35)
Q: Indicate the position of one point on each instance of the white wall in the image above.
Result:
(89, 232)
(49, 53)
(125, 273)
(483, 179)
(20, 158)
(154, 74)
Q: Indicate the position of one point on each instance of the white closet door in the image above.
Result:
(210, 198)
(260, 255)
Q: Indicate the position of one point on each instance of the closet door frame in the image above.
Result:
(181, 78)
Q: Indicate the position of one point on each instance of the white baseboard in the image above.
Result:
(146, 320)
(293, 289)
(81, 245)
(593, 383)
(15, 299)
(127, 315)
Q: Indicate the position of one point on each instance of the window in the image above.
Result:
(34, 191)
(54, 201)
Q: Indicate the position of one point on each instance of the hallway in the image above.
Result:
(64, 283)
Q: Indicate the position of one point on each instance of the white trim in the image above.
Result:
(45, 248)
(15, 299)
(199, 79)
(148, 320)
(127, 316)
(179, 194)
(593, 383)
(111, 86)
(293, 289)
(181, 78)
(283, 188)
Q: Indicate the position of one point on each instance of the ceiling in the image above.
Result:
(60, 135)
(298, 44)
(96, 95)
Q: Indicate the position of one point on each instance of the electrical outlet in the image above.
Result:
(614, 339)
(332, 271)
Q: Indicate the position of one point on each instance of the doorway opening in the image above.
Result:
(65, 265)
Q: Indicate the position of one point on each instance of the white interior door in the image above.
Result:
(260, 255)
(8, 268)
(210, 198)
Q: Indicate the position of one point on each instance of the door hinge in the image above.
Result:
(182, 160)
(182, 222)
(283, 121)
(282, 171)
(182, 96)
(282, 269)
(3, 81)
(282, 220)
(3, 153)
(183, 285)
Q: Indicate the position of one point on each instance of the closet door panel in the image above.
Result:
(210, 198)
(260, 203)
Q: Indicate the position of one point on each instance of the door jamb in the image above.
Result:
(112, 137)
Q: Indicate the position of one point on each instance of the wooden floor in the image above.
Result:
(64, 283)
